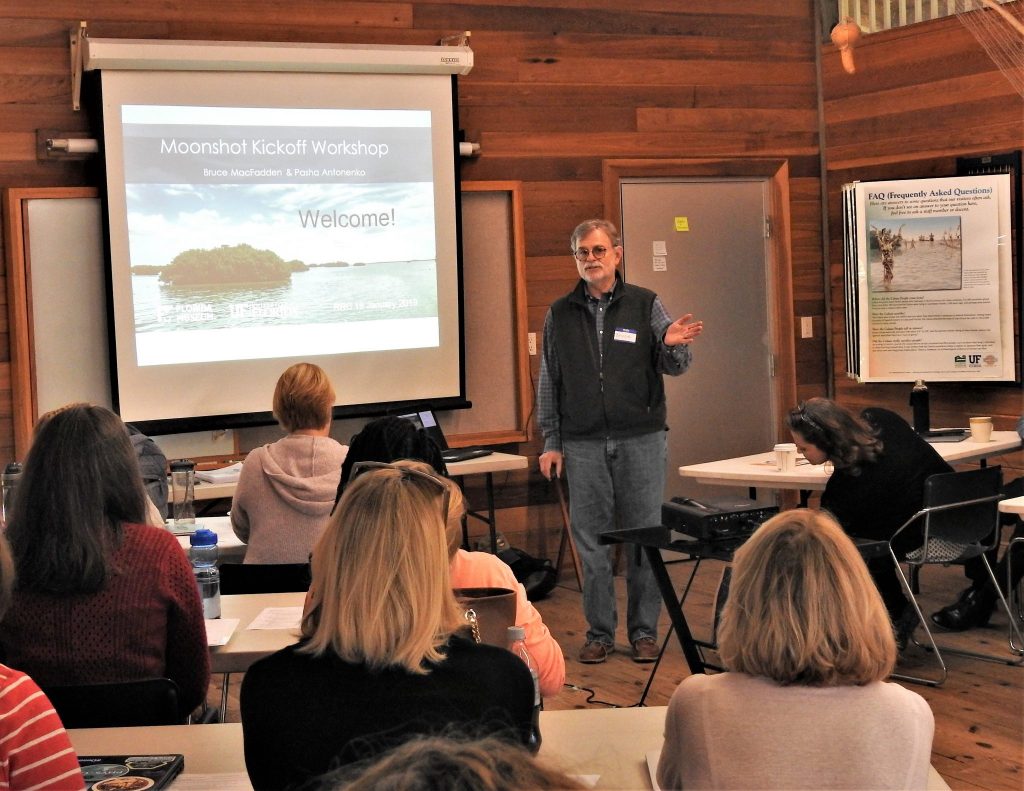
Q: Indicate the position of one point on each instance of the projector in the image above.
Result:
(713, 523)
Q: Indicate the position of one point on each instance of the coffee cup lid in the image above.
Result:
(786, 446)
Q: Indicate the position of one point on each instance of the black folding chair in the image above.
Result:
(264, 577)
(960, 521)
(148, 701)
(259, 578)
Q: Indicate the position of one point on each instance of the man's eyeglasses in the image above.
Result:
(583, 253)
(431, 483)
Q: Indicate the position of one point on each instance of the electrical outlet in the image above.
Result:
(806, 327)
(531, 343)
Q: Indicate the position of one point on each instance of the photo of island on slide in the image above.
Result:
(265, 254)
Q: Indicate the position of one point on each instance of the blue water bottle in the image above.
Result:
(203, 555)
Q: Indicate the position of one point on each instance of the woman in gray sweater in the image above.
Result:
(805, 703)
(286, 489)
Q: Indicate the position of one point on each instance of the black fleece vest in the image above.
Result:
(627, 397)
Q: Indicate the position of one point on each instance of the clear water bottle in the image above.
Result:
(183, 492)
(203, 554)
(8, 483)
(517, 645)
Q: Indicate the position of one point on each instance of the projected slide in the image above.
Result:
(258, 233)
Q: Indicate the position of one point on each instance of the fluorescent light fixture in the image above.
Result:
(149, 54)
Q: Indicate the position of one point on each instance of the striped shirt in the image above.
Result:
(35, 752)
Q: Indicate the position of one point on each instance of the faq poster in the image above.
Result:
(934, 279)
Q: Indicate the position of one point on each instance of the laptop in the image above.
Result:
(130, 772)
(426, 420)
(945, 434)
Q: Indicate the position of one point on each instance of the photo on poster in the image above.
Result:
(920, 254)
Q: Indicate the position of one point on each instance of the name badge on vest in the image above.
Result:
(625, 336)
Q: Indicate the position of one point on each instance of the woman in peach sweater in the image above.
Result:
(484, 570)
(392, 439)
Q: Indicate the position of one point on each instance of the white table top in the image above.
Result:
(611, 743)
(229, 546)
(207, 748)
(247, 645)
(1014, 505)
(495, 462)
(214, 491)
(759, 469)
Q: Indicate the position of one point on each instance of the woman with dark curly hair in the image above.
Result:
(880, 468)
(387, 439)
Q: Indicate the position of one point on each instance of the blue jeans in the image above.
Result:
(616, 484)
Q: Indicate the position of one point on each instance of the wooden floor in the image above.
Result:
(979, 713)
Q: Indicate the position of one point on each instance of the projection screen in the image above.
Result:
(260, 218)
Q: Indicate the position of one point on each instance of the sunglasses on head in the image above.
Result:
(422, 479)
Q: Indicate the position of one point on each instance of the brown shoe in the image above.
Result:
(645, 650)
(593, 653)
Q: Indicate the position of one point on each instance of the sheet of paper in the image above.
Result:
(221, 475)
(278, 618)
(227, 781)
(219, 630)
(653, 756)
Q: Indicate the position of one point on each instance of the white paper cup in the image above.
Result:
(785, 457)
(981, 429)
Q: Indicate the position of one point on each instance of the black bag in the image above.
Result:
(537, 575)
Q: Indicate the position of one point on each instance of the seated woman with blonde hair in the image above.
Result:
(286, 489)
(484, 570)
(379, 659)
(808, 643)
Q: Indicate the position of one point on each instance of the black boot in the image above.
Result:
(973, 608)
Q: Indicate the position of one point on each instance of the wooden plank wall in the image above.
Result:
(558, 86)
(922, 96)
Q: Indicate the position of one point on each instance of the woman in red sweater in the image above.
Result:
(101, 596)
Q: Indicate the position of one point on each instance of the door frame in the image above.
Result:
(779, 249)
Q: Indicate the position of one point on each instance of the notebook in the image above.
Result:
(427, 421)
(130, 772)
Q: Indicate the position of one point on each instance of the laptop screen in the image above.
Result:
(428, 422)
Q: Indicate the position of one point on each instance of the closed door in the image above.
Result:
(700, 244)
